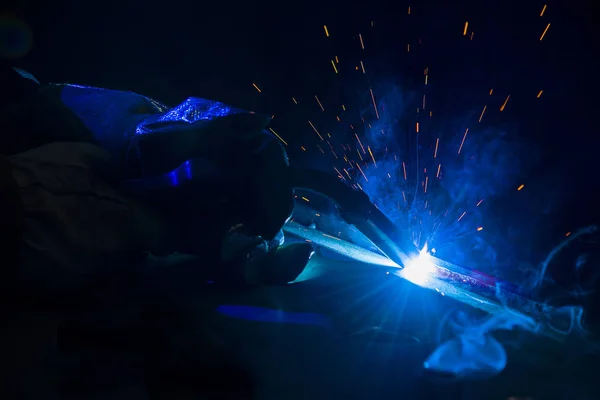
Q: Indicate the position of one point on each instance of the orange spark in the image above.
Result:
(472, 33)
(256, 87)
(480, 228)
(503, 106)
(437, 143)
(329, 236)
(359, 142)
(372, 156)
(466, 27)
(408, 10)
(437, 175)
(491, 91)
(326, 31)
(337, 60)
(482, 112)
(316, 131)
(361, 171)
(362, 66)
(543, 10)
(408, 48)
(319, 101)
(539, 94)
(362, 44)
(463, 140)
(521, 187)
(374, 104)
(544, 33)
(278, 137)
(479, 202)
(417, 127)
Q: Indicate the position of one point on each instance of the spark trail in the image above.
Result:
(429, 176)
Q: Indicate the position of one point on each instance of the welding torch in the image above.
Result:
(356, 209)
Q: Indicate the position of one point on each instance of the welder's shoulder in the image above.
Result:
(38, 119)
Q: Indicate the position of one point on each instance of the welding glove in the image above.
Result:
(256, 261)
(237, 180)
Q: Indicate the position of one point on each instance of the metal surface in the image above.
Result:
(449, 280)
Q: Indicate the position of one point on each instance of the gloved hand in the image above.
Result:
(251, 260)
(239, 249)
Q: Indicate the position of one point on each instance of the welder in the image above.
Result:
(99, 175)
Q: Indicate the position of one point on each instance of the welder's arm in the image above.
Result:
(225, 138)
(356, 209)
